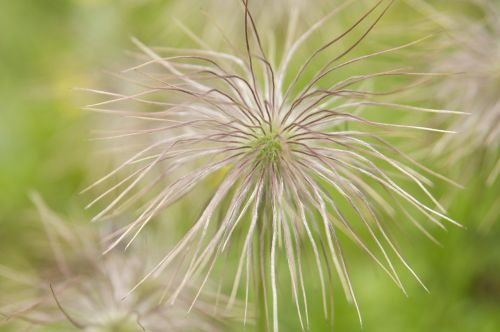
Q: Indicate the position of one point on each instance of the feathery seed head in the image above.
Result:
(472, 51)
(301, 163)
(94, 298)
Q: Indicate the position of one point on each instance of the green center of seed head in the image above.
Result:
(269, 147)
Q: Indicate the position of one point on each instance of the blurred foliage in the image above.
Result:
(49, 47)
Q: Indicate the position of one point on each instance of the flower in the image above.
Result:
(78, 290)
(296, 161)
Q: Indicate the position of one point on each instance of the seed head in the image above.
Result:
(299, 159)
(472, 52)
(78, 290)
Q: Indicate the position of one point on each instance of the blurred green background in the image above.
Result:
(48, 47)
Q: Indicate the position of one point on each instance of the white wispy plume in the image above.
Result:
(78, 290)
(472, 50)
(269, 13)
(300, 163)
